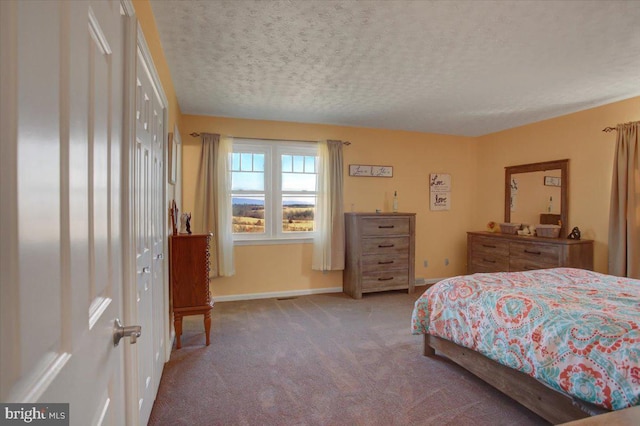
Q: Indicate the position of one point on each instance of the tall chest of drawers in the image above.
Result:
(189, 277)
(490, 252)
(380, 252)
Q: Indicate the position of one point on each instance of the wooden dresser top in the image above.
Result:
(378, 214)
(514, 237)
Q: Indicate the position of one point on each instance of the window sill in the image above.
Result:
(273, 241)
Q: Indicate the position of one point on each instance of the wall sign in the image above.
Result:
(439, 191)
(440, 201)
(439, 182)
(552, 181)
(370, 171)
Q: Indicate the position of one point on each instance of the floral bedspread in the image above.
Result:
(577, 331)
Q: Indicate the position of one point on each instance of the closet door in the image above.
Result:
(148, 307)
(60, 235)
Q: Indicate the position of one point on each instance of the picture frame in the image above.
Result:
(363, 170)
(552, 181)
(439, 191)
(172, 158)
(439, 182)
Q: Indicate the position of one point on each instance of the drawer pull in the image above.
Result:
(385, 263)
(385, 245)
(386, 226)
(488, 261)
(385, 279)
(488, 246)
(532, 252)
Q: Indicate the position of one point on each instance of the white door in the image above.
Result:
(60, 232)
(148, 307)
(158, 244)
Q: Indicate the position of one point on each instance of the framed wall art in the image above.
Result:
(439, 191)
(370, 171)
(552, 181)
(172, 158)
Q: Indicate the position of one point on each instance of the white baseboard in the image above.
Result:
(276, 294)
(295, 293)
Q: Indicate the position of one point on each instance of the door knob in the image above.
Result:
(131, 331)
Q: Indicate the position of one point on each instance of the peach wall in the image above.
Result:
(475, 164)
(440, 235)
(579, 138)
(147, 24)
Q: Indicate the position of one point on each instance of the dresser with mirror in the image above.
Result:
(535, 194)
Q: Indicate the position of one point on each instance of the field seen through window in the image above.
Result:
(249, 218)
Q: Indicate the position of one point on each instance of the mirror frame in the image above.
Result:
(562, 165)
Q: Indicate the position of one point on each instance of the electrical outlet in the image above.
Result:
(446, 261)
(425, 263)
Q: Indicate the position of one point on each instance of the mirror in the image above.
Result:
(537, 193)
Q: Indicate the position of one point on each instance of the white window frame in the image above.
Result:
(273, 190)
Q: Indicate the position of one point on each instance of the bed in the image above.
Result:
(564, 342)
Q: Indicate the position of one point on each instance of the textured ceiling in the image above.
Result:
(451, 67)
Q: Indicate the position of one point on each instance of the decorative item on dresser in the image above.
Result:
(380, 252)
(491, 252)
(189, 276)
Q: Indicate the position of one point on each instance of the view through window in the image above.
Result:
(273, 189)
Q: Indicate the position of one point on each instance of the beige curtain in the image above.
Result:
(328, 244)
(226, 267)
(624, 217)
(205, 214)
(213, 206)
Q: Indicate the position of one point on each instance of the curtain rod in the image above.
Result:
(195, 135)
(611, 129)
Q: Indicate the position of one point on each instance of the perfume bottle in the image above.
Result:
(395, 201)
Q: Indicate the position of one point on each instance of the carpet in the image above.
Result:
(321, 360)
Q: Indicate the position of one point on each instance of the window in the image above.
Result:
(273, 190)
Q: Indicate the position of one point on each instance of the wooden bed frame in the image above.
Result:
(542, 400)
